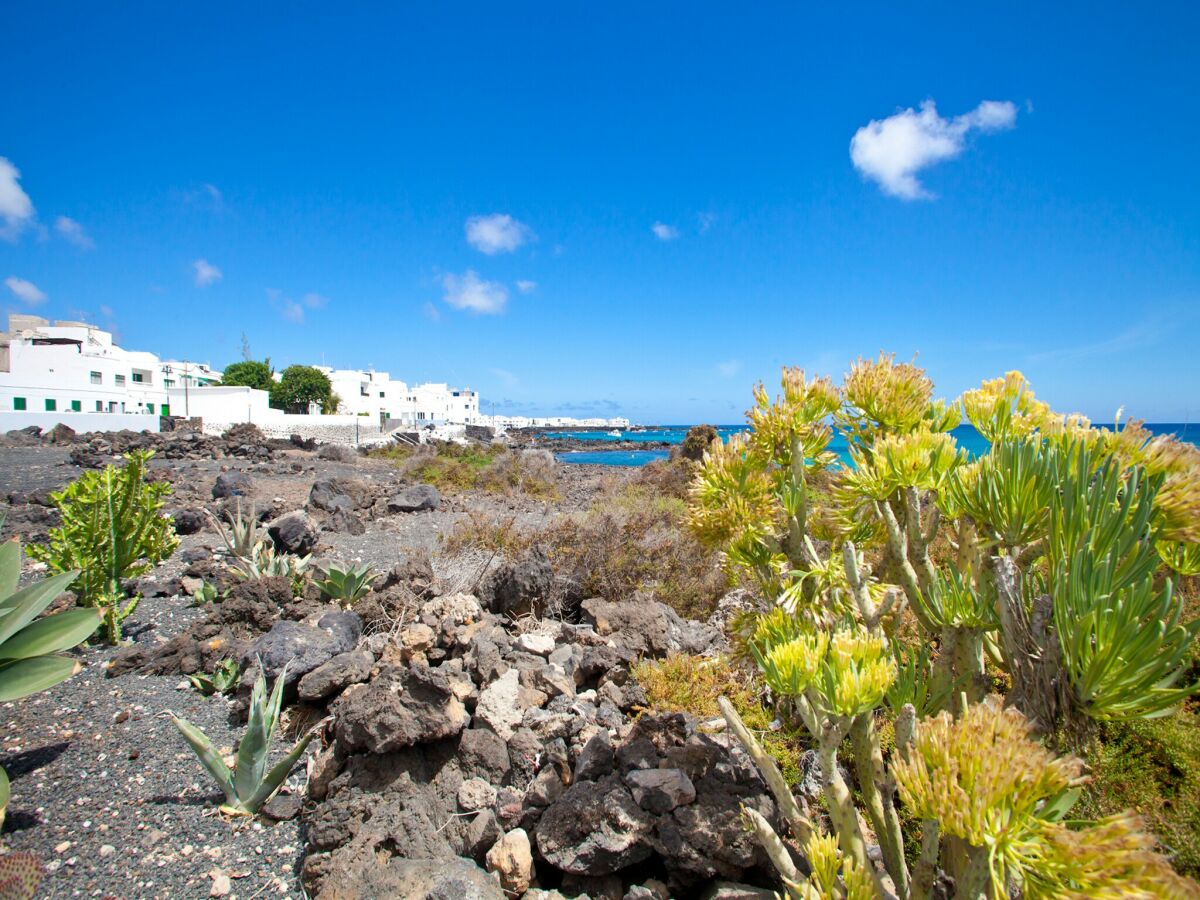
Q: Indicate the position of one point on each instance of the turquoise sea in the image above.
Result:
(967, 437)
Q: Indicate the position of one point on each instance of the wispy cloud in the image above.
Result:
(526, 287)
(16, 209)
(432, 312)
(25, 291)
(664, 232)
(729, 368)
(496, 233)
(894, 150)
(205, 195)
(470, 292)
(1140, 335)
(295, 310)
(706, 220)
(206, 273)
(73, 232)
(507, 378)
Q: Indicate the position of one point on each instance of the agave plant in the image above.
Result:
(346, 585)
(223, 679)
(249, 784)
(31, 657)
(241, 536)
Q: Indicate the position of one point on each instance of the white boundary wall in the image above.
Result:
(80, 421)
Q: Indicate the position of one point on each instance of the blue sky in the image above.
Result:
(684, 210)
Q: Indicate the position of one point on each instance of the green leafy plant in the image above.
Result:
(224, 678)
(255, 556)
(31, 657)
(249, 784)
(346, 585)
(207, 593)
(112, 529)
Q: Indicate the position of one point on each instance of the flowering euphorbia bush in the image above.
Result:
(1046, 564)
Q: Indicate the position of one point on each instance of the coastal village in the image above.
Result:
(73, 373)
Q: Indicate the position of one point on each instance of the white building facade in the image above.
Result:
(375, 395)
(73, 367)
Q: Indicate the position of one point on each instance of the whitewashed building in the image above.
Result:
(73, 367)
(374, 394)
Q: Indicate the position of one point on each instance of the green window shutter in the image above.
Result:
(150, 407)
(166, 409)
(19, 404)
(76, 406)
(51, 406)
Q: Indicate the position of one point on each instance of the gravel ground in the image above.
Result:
(108, 795)
(104, 789)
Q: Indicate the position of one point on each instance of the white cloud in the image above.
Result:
(706, 221)
(26, 291)
(206, 272)
(664, 232)
(497, 233)
(73, 232)
(16, 209)
(526, 286)
(291, 310)
(894, 150)
(314, 301)
(729, 368)
(469, 291)
(295, 310)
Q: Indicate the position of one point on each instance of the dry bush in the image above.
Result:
(632, 540)
(456, 468)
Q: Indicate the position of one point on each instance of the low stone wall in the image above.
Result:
(353, 434)
(79, 421)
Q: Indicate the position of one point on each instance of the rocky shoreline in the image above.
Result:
(481, 734)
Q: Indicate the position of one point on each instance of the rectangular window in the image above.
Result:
(99, 406)
(51, 406)
(19, 404)
(137, 378)
(96, 378)
(150, 408)
(76, 406)
(169, 382)
(166, 410)
(381, 395)
(120, 381)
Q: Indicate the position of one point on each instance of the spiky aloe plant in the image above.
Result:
(346, 585)
(249, 784)
(31, 658)
(223, 679)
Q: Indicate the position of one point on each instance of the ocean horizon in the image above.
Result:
(966, 435)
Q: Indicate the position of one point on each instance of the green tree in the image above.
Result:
(250, 373)
(299, 386)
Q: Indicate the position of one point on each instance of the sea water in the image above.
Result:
(968, 438)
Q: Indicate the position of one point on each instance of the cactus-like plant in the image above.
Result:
(249, 784)
(112, 529)
(346, 585)
(31, 657)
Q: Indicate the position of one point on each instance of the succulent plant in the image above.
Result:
(346, 585)
(249, 784)
(31, 657)
(224, 678)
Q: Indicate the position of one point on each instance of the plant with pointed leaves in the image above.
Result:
(31, 648)
(249, 784)
(346, 585)
(224, 678)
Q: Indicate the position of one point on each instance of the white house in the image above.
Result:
(73, 367)
(375, 395)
